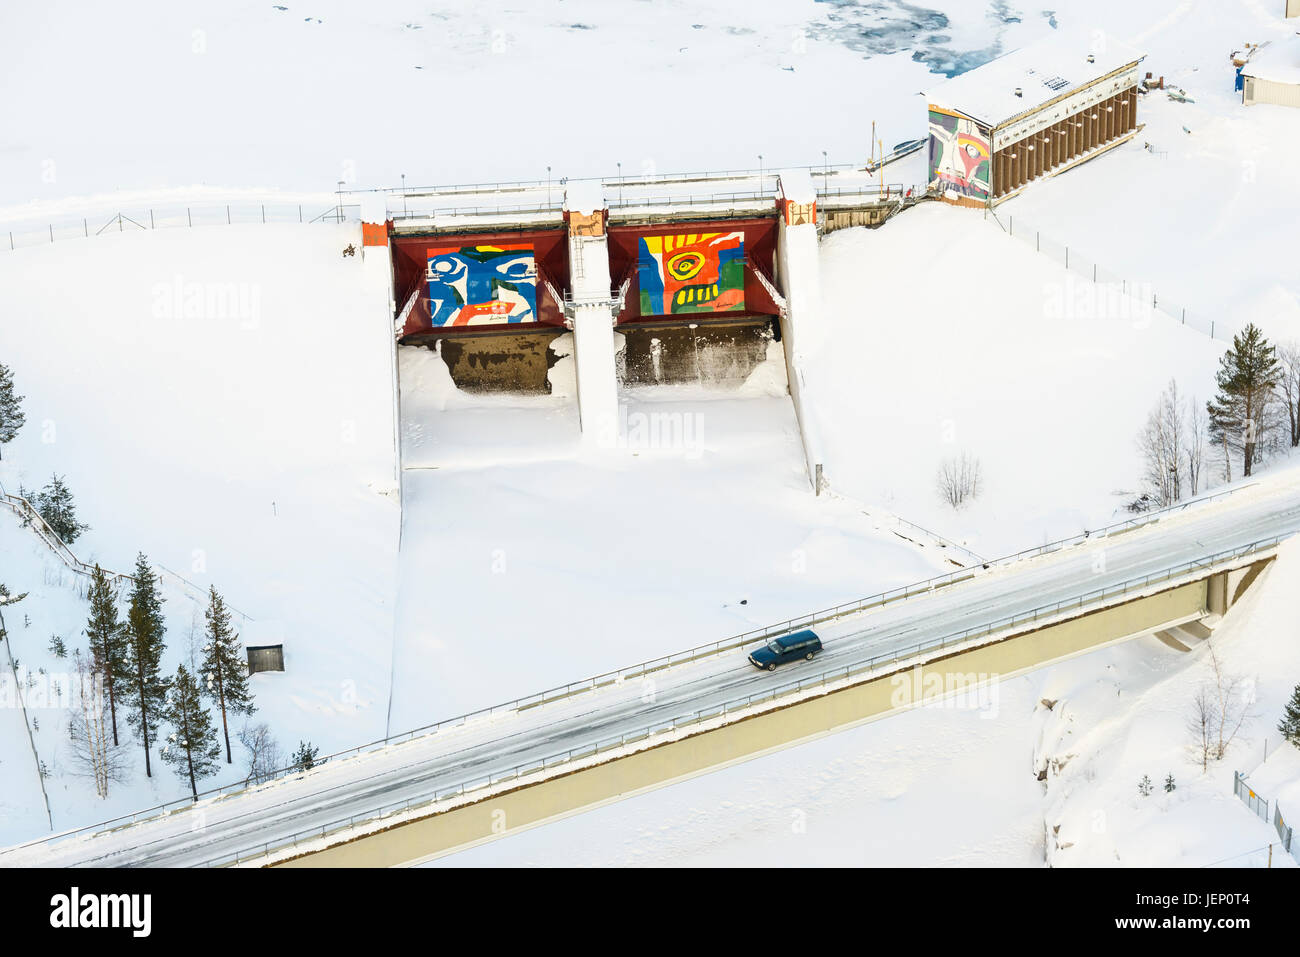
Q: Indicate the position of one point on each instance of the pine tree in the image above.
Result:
(107, 639)
(192, 748)
(1144, 786)
(55, 504)
(1248, 375)
(1290, 723)
(146, 688)
(1169, 784)
(225, 672)
(11, 409)
(304, 759)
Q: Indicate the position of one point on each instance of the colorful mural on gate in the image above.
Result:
(482, 285)
(691, 273)
(960, 155)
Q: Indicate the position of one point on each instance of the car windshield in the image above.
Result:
(775, 646)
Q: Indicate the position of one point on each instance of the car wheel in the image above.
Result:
(809, 656)
(772, 666)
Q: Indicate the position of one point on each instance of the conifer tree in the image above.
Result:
(224, 670)
(146, 688)
(1248, 375)
(55, 504)
(106, 636)
(192, 748)
(11, 408)
(1290, 724)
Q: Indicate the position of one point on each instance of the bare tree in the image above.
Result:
(1172, 443)
(1233, 700)
(93, 753)
(1194, 447)
(958, 479)
(1201, 719)
(264, 755)
(1288, 354)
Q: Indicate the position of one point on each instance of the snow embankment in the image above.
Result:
(219, 399)
(1100, 731)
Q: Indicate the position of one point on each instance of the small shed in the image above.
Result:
(1272, 74)
(265, 658)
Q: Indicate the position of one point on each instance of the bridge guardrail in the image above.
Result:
(854, 669)
(754, 636)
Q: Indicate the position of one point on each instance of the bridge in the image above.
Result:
(474, 778)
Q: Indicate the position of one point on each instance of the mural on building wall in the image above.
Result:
(960, 155)
(482, 285)
(691, 273)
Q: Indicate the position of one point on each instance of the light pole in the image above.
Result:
(403, 194)
(620, 184)
(548, 186)
(826, 173)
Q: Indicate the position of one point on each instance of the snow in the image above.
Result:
(226, 374)
(883, 794)
(210, 394)
(504, 484)
(987, 93)
(1279, 61)
(1046, 394)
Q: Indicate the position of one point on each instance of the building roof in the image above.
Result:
(1278, 61)
(1042, 71)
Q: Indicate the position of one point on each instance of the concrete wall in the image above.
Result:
(745, 739)
(504, 362)
(718, 353)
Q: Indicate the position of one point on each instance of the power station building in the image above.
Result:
(1029, 114)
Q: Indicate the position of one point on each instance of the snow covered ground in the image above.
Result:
(956, 783)
(995, 361)
(249, 436)
(583, 561)
(219, 399)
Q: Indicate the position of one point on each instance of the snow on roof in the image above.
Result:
(1278, 61)
(796, 186)
(1042, 72)
(584, 196)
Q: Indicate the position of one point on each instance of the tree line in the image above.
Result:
(172, 712)
(1254, 413)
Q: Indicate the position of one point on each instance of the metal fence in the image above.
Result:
(1113, 295)
(1258, 805)
(31, 518)
(136, 219)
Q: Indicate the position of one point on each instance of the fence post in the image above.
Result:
(11, 239)
(51, 232)
(151, 224)
(264, 214)
(227, 214)
(300, 212)
(85, 227)
(188, 218)
(1038, 242)
(1067, 257)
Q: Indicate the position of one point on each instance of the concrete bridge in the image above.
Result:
(472, 779)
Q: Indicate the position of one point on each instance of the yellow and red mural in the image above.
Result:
(691, 273)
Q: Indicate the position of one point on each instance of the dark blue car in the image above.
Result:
(801, 644)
